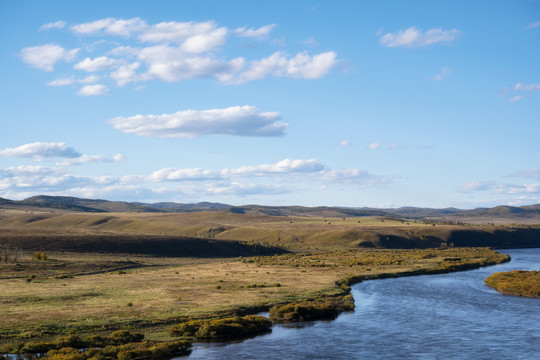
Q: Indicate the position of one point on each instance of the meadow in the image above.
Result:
(94, 274)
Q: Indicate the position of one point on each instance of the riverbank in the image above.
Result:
(166, 291)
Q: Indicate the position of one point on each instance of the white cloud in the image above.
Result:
(515, 98)
(445, 72)
(204, 42)
(413, 37)
(301, 66)
(53, 25)
(171, 64)
(534, 25)
(374, 146)
(285, 166)
(354, 176)
(237, 120)
(171, 174)
(41, 150)
(62, 81)
(97, 64)
(180, 51)
(83, 159)
(527, 87)
(111, 26)
(126, 74)
(93, 90)
(126, 51)
(254, 33)
(175, 31)
(345, 143)
(44, 57)
(241, 189)
(72, 80)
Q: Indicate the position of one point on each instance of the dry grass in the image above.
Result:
(167, 289)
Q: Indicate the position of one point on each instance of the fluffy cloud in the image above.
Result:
(413, 37)
(41, 150)
(83, 159)
(44, 57)
(168, 183)
(345, 143)
(175, 31)
(39, 179)
(171, 64)
(237, 120)
(285, 166)
(111, 26)
(93, 90)
(126, 74)
(177, 51)
(374, 146)
(53, 25)
(97, 64)
(515, 98)
(171, 174)
(301, 66)
(204, 42)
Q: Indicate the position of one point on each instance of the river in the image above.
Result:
(447, 316)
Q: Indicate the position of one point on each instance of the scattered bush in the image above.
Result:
(308, 310)
(227, 328)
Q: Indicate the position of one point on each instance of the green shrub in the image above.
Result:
(227, 328)
(123, 337)
(308, 310)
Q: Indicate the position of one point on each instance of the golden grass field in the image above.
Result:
(159, 292)
(106, 272)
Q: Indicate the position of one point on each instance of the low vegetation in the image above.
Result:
(122, 345)
(517, 282)
(87, 281)
(221, 329)
(308, 310)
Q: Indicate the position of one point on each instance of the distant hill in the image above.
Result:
(74, 204)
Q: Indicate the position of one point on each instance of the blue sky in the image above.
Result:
(341, 103)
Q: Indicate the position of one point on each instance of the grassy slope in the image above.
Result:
(290, 232)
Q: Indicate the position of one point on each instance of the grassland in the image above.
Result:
(517, 282)
(155, 293)
(151, 272)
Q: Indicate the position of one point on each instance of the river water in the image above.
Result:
(447, 316)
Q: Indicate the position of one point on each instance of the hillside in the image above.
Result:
(290, 232)
(499, 215)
